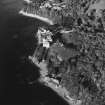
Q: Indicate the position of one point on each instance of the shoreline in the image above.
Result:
(37, 17)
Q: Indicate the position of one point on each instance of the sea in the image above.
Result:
(17, 42)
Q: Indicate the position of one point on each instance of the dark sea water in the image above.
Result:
(17, 42)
